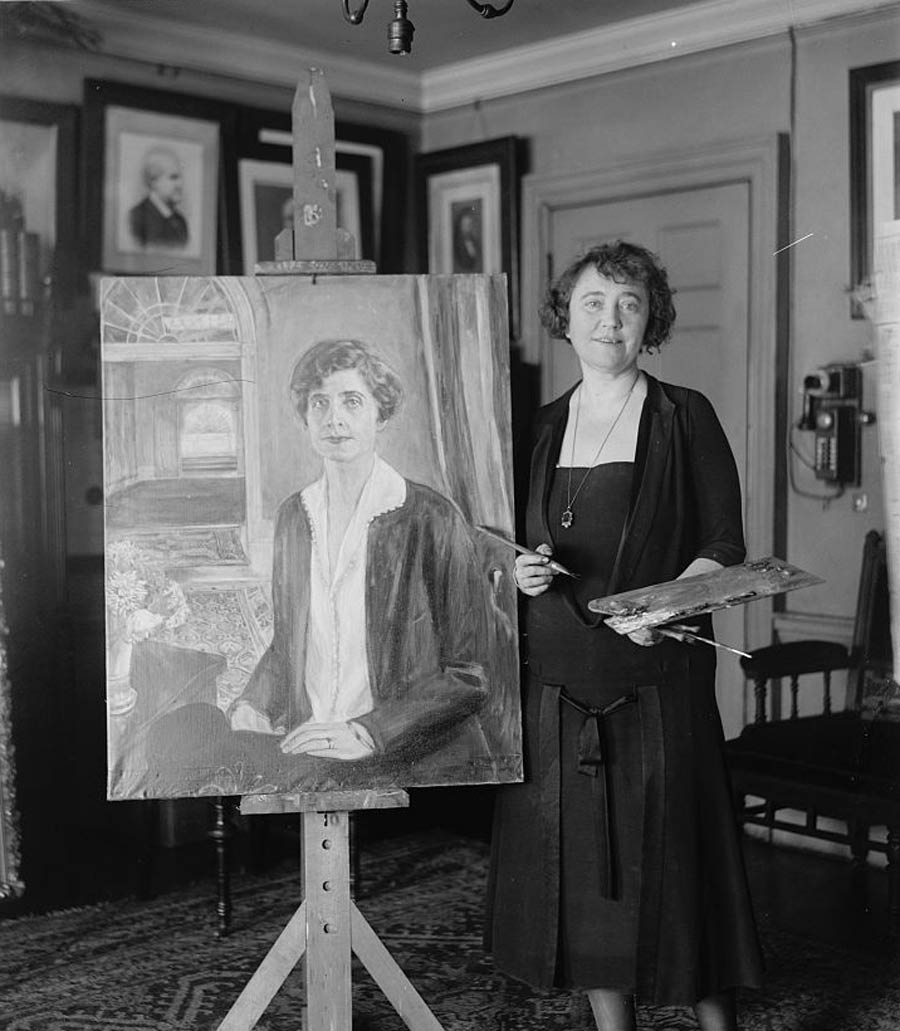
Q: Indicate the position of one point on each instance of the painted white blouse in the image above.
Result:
(337, 668)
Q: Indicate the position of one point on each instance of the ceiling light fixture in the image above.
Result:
(400, 30)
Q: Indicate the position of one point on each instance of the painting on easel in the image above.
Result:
(298, 599)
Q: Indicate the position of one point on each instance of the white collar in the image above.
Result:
(384, 491)
(164, 209)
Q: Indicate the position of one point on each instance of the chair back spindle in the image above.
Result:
(759, 689)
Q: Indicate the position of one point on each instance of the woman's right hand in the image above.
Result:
(533, 574)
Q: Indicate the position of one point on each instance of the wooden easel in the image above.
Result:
(327, 927)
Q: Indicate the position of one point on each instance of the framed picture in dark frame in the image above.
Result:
(468, 212)
(874, 163)
(159, 198)
(377, 158)
(38, 175)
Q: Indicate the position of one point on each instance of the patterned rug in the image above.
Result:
(137, 966)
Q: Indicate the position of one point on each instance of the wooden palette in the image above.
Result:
(681, 599)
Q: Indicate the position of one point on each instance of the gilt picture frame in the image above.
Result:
(874, 165)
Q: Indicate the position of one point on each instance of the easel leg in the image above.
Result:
(389, 977)
(326, 927)
(269, 976)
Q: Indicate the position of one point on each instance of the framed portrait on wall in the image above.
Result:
(468, 212)
(159, 192)
(874, 164)
(266, 191)
(154, 180)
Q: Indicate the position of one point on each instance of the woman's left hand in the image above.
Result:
(646, 637)
(327, 741)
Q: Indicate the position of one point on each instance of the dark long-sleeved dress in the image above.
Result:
(617, 863)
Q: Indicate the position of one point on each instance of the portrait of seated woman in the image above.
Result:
(378, 664)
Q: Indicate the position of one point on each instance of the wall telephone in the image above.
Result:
(832, 410)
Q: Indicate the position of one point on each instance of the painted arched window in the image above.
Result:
(209, 431)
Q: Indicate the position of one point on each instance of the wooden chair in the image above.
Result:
(843, 765)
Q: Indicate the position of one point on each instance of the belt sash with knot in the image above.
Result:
(592, 758)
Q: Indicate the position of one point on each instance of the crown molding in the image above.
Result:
(626, 44)
(148, 38)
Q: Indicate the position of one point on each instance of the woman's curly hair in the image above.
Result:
(625, 263)
(329, 356)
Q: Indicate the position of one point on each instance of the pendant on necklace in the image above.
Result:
(567, 518)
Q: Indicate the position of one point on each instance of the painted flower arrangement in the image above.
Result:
(140, 598)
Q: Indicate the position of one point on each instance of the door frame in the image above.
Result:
(755, 162)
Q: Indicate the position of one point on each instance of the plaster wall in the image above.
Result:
(630, 115)
(830, 535)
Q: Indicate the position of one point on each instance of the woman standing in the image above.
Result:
(616, 866)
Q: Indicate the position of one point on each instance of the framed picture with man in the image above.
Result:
(154, 180)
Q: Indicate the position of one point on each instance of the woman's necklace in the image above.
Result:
(567, 517)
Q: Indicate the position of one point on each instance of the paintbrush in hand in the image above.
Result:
(557, 567)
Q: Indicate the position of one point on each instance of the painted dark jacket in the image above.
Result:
(696, 930)
(426, 636)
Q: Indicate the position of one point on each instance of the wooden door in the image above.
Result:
(702, 237)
